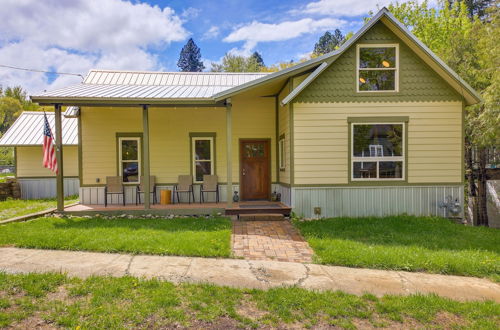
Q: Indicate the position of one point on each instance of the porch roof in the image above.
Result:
(149, 87)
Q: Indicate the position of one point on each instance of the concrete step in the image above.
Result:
(262, 217)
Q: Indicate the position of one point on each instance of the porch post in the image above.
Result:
(229, 147)
(59, 158)
(146, 174)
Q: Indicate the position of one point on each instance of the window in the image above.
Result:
(203, 157)
(377, 68)
(281, 147)
(377, 151)
(129, 158)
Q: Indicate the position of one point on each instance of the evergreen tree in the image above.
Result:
(258, 59)
(475, 7)
(190, 58)
(328, 42)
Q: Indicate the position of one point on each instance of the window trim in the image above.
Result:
(401, 158)
(139, 155)
(195, 138)
(282, 153)
(396, 68)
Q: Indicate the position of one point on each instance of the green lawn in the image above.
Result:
(204, 237)
(12, 208)
(4, 176)
(428, 244)
(54, 300)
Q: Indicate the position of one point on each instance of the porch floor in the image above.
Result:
(246, 207)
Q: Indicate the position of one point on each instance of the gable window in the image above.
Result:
(203, 157)
(377, 151)
(377, 68)
(281, 152)
(129, 158)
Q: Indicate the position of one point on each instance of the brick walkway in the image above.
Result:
(269, 240)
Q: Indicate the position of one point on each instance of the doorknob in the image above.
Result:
(243, 172)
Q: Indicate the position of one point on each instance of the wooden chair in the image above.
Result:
(140, 189)
(210, 184)
(114, 186)
(184, 185)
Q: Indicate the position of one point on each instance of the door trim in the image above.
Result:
(240, 176)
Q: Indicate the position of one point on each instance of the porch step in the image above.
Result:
(262, 217)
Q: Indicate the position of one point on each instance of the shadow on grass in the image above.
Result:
(427, 232)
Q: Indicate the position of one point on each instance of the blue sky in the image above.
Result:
(77, 35)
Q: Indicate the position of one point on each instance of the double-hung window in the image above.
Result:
(377, 68)
(129, 149)
(377, 151)
(203, 157)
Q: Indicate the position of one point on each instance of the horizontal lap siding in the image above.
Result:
(30, 162)
(434, 140)
(169, 136)
(284, 129)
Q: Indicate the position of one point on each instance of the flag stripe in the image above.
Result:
(49, 155)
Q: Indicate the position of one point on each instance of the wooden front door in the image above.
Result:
(255, 169)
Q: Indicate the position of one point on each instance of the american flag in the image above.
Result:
(49, 155)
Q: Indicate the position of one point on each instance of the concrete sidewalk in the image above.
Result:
(247, 273)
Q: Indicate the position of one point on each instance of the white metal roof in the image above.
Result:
(105, 84)
(27, 130)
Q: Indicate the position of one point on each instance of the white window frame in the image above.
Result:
(282, 153)
(193, 156)
(358, 159)
(396, 68)
(121, 161)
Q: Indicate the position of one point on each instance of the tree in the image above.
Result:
(328, 42)
(10, 109)
(474, 7)
(190, 58)
(258, 59)
(470, 46)
(235, 63)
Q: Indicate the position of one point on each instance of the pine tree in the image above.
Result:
(328, 42)
(258, 59)
(190, 58)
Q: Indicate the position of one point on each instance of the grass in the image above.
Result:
(54, 300)
(408, 243)
(204, 237)
(12, 208)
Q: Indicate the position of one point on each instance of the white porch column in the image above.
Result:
(145, 143)
(229, 147)
(59, 158)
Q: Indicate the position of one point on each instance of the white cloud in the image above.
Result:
(211, 33)
(190, 13)
(256, 32)
(74, 36)
(347, 8)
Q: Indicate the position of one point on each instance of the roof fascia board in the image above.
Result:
(304, 83)
(473, 93)
(67, 101)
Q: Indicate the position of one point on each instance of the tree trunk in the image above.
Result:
(482, 200)
(471, 184)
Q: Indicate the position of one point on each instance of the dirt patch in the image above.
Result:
(449, 320)
(248, 309)
(34, 322)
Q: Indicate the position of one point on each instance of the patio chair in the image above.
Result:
(140, 189)
(210, 184)
(184, 185)
(114, 186)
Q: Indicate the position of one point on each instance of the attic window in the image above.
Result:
(377, 68)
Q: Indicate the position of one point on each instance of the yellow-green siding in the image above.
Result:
(284, 130)
(29, 162)
(321, 140)
(169, 136)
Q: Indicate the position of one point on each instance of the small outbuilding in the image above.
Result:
(26, 137)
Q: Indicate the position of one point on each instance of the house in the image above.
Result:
(373, 128)
(25, 136)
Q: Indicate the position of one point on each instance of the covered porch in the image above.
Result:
(237, 133)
